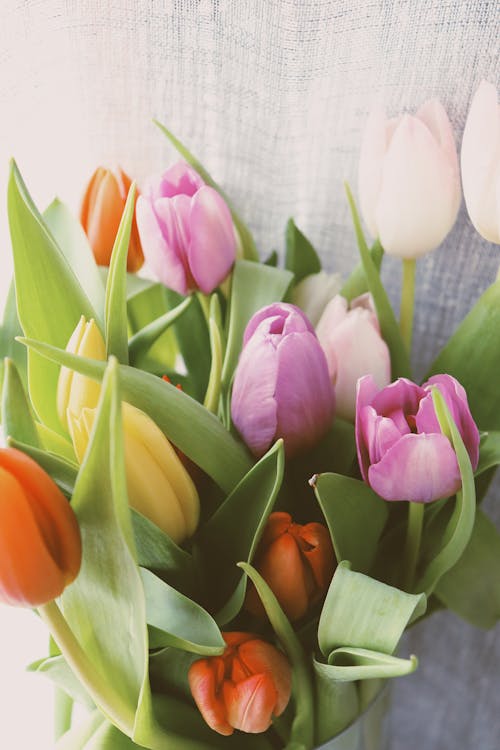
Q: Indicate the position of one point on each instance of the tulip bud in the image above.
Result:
(313, 293)
(244, 688)
(354, 347)
(281, 385)
(74, 391)
(409, 185)
(402, 452)
(296, 561)
(101, 213)
(186, 231)
(158, 485)
(40, 544)
(481, 162)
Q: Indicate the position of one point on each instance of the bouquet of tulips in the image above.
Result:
(222, 491)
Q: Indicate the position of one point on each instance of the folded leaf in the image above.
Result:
(193, 339)
(336, 703)
(57, 670)
(17, 419)
(350, 664)
(489, 452)
(144, 339)
(9, 330)
(301, 258)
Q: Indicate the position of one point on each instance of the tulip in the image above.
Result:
(481, 162)
(409, 184)
(101, 213)
(402, 452)
(40, 544)
(74, 391)
(313, 293)
(244, 688)
(158, 485)
(281, 385)
(296, 561)
(186, 231)
(350, 337)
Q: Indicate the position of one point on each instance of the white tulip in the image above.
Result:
(313, 293)
(481, 162)
(409, 184)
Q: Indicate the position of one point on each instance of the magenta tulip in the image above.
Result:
(186, 231)
(402, 453)
(281, 385)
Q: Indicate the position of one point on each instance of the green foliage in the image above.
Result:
(301, 258)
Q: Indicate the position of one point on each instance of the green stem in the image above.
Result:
(204, 301)
(407, 301)
(413, 539)
(63, 710)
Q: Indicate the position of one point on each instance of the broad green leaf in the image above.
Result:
(147, 302)
(388, 324)
(272, 259)
(336, 703)
(9, 330)
(73, 242)
(356, 517)
(78, 737)
(55, 443)
(459, 528)
(217, 546)
(182, 622)
(301, 258)
(115, 309)
(356, 284)
(143, 340)
(211, 401)
(62, 472)
(360, 612)
(193, 339)
(50, 300)
(350, 664)
(195, 431)
(57, 670)
(472, 587)
(17, 419)
(253, 287)
(489, 452)
(247, 242)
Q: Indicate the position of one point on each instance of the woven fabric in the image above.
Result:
(272, 95)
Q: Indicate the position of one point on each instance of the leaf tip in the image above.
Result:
(313, 481)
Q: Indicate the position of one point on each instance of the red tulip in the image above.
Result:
(101, 213)
(244, 688)
(40, 544)
(296, 561)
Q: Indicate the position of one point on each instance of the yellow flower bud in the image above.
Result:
(158, 485)
(74, 391)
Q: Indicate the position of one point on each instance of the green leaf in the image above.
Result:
(9, 330)
(55, 443)
(247, 242)
(57, 670)
(116, 288)
(360, 612)
(48, 311)
(145, 304)
(17, 419)
(143, 340)
(246, 509)
(301, 258)
(349, 664)
(459, 528)
(489, 452)
(356, 284)
(472, 587)
(347, 504)
(388, 324)
(253, 287)
(62, 472)
(193, 339)
(182, 622)
(195, 431)
(73, 242)
(336, 703)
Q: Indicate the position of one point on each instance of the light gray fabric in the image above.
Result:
(272, 95)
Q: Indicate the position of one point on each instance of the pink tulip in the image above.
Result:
(402, 453)
(186, 231)
(350, 337)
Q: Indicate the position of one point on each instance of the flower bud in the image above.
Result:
(281, 386)
(296, 561)
(481, 162)
(350, 337)
(101, 213)
(244, 688)
(402, 452)
(409, 185)
(40, 544)
(186, 231)
(158, 485)
(74, 391)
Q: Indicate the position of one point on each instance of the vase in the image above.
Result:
(370, 731)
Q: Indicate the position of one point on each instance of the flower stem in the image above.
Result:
(407, 301)
(413, 539)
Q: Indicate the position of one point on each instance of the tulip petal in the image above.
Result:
(282, 311)
(249, 704)
(179, 179)
(373, 149)
(205, 679)
(260, 656)
(418, 468)
(318, 551)
(282, 568)
(101, 214)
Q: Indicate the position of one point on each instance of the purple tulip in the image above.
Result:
(402, 453)
(186, 231)
(281, 385)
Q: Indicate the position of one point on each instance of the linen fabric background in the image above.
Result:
(272, 96)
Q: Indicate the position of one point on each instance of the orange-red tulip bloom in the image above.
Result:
(101, 212)
(40, 544)
(244, 688)
(296, 561)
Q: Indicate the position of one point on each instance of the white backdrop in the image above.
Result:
(272, 96)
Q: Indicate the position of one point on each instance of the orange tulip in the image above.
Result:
(101, 212)
(244, 688)
(296, 561)
(40, 544)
